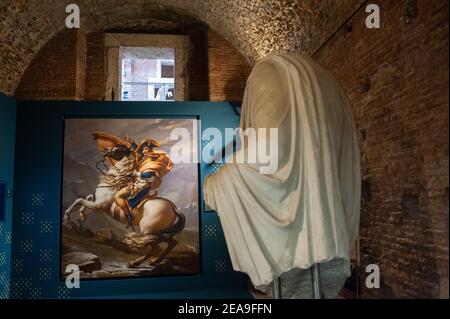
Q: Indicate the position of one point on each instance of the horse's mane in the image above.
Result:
(121, 174)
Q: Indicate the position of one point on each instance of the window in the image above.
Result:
(147, 74)
(146, 67)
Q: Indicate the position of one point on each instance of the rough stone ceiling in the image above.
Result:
(255, 27)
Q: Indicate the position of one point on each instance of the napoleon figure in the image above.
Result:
(151, 166)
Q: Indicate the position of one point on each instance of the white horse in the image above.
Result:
(157, 220)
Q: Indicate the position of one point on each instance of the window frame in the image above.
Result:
(114, 42)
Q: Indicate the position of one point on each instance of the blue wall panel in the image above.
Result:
(7, 135)
(35, 263)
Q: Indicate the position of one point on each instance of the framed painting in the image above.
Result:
(129, 209)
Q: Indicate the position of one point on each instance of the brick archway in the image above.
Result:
(255, 28)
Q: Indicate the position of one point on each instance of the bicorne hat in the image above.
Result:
(150, 143)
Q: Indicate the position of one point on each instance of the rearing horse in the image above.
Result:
(155, 220)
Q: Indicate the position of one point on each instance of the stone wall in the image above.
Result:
(54, 73)
(397, 80)
(228, 70)
(80, 69)
(198, 74)
(95, 66)
(255, 28)
(72, 66)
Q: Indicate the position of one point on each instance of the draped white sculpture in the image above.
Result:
(307, 212)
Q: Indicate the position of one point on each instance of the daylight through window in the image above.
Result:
(147, 74)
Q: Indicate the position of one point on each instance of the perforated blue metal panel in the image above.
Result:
(7, 135)
(36, 230)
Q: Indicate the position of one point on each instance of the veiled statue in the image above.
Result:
(280, 224)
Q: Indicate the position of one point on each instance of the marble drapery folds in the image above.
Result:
(307, 211)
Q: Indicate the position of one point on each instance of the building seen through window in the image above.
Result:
(147, 74)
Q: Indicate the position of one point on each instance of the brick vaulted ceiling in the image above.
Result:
(255, 27)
